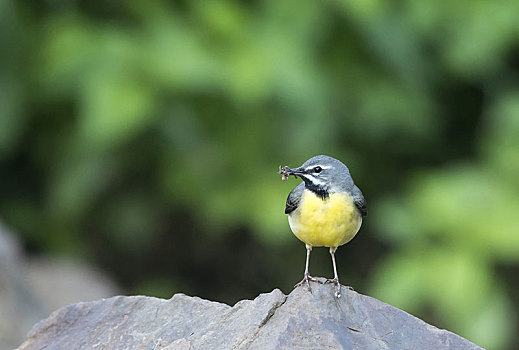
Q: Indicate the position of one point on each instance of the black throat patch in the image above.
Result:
(318, 190)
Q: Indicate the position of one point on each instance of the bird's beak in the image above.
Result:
(296, 172)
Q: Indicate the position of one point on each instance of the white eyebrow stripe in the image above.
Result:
(322, 167)
(314, 180)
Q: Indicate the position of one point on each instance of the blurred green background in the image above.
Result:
(144, 137)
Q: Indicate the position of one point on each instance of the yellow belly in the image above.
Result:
(331, 222)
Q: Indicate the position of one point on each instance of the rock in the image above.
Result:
(305, 319)
(31, 287)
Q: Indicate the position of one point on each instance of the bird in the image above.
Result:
(325, 210)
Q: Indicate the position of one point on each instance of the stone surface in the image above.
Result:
(305, 319)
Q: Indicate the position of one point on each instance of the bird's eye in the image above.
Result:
(318, 169)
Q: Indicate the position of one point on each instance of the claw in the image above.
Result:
(335, 281)
(307, 279)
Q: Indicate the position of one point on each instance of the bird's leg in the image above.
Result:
(307, 278)
(335, 279)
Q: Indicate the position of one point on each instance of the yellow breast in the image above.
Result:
(329, 222)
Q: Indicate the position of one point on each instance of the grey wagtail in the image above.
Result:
(325, 210)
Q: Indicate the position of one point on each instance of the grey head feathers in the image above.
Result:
(326, 174)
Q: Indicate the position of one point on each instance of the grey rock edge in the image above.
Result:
(305, 319)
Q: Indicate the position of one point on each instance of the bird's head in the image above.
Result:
(323, 175)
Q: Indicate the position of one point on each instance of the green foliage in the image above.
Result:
(146, 135)
(452, 227)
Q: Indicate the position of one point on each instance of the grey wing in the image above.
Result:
(294, 198)
(359, 201)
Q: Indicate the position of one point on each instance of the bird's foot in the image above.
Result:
(335, 281)
(307, 279)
